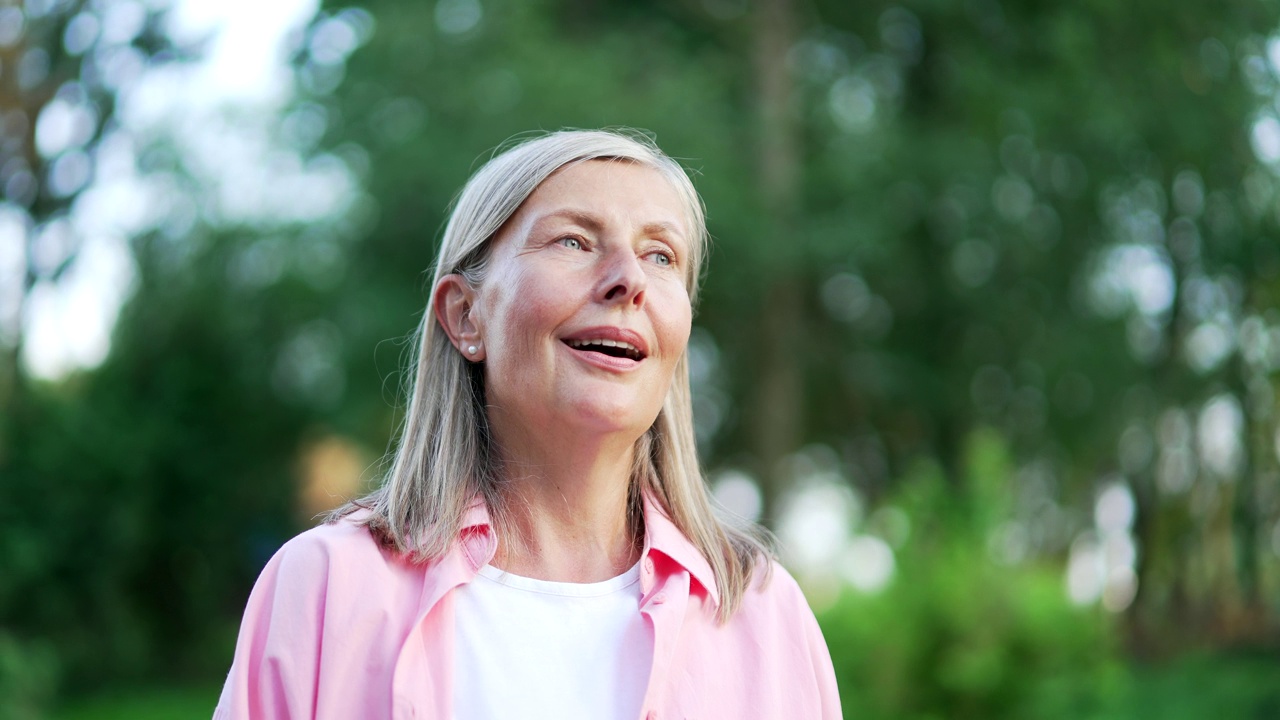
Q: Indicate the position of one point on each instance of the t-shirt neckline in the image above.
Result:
(566, 589)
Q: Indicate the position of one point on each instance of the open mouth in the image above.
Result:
(612, 348)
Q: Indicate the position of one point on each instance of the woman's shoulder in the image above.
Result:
(343, 547)
(330, 587)
(337, 539)
(775, 616)
(773, 600)
(773, 587)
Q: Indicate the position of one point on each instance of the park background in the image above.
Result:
(989, 335)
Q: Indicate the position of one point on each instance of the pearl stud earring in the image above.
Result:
(471, 349)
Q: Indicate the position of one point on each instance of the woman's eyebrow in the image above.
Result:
(580, 217)
(595, 224)
(662, 228)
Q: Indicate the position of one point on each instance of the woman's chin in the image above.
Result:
(604, 417)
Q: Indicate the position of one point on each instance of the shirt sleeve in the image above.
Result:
(273, 674)
(809, 663)
(824, 671)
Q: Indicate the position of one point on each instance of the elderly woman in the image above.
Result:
(544, 545)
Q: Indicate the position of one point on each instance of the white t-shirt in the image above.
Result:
(534, 649)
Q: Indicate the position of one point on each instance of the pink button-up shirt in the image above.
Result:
(339, 628)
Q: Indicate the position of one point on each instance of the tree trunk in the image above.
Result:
(776, 409)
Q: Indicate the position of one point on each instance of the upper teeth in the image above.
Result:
(607, 343)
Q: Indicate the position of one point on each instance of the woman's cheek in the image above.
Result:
(677, 318)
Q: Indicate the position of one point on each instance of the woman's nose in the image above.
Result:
(624, 279)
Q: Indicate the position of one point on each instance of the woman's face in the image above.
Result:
(584, 311)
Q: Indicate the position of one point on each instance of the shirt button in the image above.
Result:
(648, 565)
(659, 598)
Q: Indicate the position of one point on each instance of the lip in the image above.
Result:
(615, 334)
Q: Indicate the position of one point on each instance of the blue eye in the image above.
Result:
(662, 258)
(572, 243)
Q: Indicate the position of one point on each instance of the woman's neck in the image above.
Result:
(566, 510)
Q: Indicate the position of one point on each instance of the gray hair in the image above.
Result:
(444, 458)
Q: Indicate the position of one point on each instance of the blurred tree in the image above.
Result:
(776, 407)
(61, 65)
(64, 61)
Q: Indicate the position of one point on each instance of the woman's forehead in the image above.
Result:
(592, 191)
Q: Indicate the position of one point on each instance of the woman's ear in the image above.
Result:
(453, 300)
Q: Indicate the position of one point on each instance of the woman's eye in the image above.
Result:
(661, 258)
(572, 243)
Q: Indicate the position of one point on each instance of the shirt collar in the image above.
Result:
(661, 535)
(476, 536)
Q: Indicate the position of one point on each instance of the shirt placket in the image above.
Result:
(664, 603)
(422, 683)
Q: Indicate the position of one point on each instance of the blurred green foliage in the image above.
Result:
(166, 703)
(985, 253)
(139, 494)
(958, 634)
